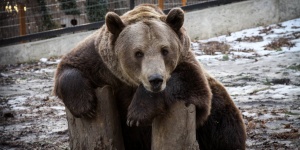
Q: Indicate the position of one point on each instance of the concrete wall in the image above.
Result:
(201, 24)
(207, 23)
(36, 50)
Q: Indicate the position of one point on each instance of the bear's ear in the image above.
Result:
(114, 23)
(175, 18)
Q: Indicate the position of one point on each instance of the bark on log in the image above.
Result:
(100, 133)
(176, 130)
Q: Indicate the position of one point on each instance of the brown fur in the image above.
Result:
(149, 71)
(224, 128)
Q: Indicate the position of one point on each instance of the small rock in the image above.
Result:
(8, 115)
(251, 125)
(286, 126)
(285, 81)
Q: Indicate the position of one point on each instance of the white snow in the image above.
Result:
(247, 114)
(43, 60)
(17, 100)
(45, 70)
(285, 30)
(58, 107)
(49, 61)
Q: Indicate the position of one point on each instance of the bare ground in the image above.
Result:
(264, 85)
(266, 89)
(30, 117)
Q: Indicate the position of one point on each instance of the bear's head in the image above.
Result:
(147, 50)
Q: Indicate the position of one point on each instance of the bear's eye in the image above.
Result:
(164, 51)
(139, 54)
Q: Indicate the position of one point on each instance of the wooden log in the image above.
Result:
(176, 130)
(102, 132)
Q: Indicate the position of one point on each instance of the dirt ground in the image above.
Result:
(33, 119)
(267, 92)
(30, 117)
(260, 68)
(265, 85)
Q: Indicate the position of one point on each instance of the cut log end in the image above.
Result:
(176, 130)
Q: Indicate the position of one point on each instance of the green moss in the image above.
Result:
(294, 67)
(46, 18)
(247, 78)
(225, 57)
(267, 82)
(69, 7)
(291, 113)
(258, 90)
(96, 10)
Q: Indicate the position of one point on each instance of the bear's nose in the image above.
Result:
(156, 81)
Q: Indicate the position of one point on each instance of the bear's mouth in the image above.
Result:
(156, 83)
(156, 88)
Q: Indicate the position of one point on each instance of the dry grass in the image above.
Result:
(293, 134)
(266, 30)
(250, 39)
(296, 35)
(211, 47)
(295, 27)
(278, 43)
(245, 50)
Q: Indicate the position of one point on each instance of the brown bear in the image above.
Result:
(145, 56)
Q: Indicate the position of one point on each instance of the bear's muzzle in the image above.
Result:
(156, 81)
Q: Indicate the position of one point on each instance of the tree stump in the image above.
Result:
(176, 130)
(102, 132)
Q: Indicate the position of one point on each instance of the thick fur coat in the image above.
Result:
(145, 56)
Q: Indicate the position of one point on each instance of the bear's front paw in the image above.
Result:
(76, 92)
(137, 119)
(83, 106)
(87, 110)
(144, 107)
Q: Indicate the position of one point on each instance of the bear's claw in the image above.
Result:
(137, 117)
(90, 114)
(131, 123)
